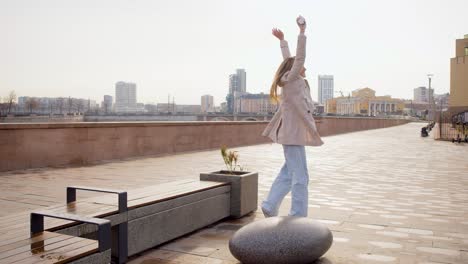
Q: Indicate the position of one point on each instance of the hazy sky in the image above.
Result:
(188, 48)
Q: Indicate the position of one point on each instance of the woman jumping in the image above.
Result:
(293, 126)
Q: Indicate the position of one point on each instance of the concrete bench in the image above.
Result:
(149, 216)
(146, 218)
(160, 213)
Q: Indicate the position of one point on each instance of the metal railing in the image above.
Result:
(453, 127)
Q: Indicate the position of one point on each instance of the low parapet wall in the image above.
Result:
(24, 146)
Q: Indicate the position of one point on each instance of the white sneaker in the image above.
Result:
(266, 213)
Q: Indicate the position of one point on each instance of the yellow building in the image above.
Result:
(364, 102)
(459, 77)
(385, 105)
(330, 106)
(364, 93)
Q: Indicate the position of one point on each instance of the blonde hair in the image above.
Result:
(285, 66)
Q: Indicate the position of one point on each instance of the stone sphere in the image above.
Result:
(276, 240)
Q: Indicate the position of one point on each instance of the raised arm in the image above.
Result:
(283, 43)
(300, 52)
(285, 49)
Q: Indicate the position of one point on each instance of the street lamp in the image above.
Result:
(431, 95)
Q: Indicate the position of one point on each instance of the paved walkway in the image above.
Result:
(388, 195)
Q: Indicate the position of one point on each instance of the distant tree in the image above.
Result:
(11, 100)
(3, 107)
(31, 104)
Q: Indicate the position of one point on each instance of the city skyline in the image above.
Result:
(80, 48)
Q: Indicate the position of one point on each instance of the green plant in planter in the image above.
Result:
(230, 159)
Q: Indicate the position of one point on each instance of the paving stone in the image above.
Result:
(392, 170)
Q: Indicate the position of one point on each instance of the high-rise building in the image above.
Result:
(125, 97)
(107, 104)
(422, 95)
(223, 107)
(459, 77)
(207, 103)
(238, 81)
(237, 85)
(325, 88)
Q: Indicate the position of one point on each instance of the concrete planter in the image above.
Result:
(244, 190)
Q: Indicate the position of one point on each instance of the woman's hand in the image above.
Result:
(301, 23)
(277, 33)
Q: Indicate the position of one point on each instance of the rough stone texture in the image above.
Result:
(24, 146)
(96, 258)
(155, 229)
(244, 190)
(278, 240)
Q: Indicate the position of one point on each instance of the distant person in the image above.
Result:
(424, 132)
(457, 139)
(293, 126)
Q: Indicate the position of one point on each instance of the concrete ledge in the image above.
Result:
(33, 145)
(244, 190)
(57, 125)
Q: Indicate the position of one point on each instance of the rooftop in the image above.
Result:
(388, 196)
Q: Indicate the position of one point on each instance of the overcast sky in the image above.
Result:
(188, 48)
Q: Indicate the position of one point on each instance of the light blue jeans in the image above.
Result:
(293, 177)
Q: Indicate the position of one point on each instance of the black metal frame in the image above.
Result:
(71, 195)
(122, 234)
(104, 225)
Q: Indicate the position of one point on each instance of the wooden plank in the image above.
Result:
(39, 237)
(137, 193)
(168, 193)
(8, 220)
(21, 231)
(95, 214)
(20, 235)
(84, 209)
(72, 254)
(32, 246)
(35, 253)
(164, 197)
(64, 254)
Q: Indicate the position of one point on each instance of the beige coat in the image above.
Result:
(293, 123)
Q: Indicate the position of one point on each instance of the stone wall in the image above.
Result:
(24, 146)
(328, 126)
